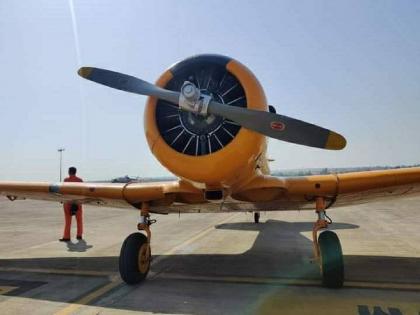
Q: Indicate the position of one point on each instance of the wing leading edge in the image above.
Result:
(157, 194)
(343, 189)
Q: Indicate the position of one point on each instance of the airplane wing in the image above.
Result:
(277, 193)
(121, 195)
(262, 193)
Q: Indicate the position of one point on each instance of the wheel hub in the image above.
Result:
(143, 259)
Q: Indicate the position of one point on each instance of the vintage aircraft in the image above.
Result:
(206, 120)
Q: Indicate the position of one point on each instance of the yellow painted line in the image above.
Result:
(6, 289)
(26, 249)
(348, 284)
(236, 279)
(382, 285)
(59, 271)
(39, 246)
(116, 280)
(294, 282)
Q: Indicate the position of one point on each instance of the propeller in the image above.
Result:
(269, 124)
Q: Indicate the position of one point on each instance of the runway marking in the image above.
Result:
(382, 285)
(6, 289)
(287, 281)
(233, 279)
(34, 247)
(116, 280)
(59, 271)
(239, 279)
(39, 245)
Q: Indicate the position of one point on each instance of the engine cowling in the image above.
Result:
(210, 149)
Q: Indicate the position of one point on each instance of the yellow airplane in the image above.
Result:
(206, 120)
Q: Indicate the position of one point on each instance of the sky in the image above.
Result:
(350, 66)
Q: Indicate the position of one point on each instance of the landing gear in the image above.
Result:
(327, 249)
(331, 260)
(135, 255)
(134, 258)
(256, 217)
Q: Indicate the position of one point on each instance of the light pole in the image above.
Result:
(60, 150)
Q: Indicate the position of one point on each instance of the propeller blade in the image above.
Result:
(127, 83)
(280, 127)
(269, 124)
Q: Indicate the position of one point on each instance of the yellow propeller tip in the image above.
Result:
(85, 72)
(335, 141)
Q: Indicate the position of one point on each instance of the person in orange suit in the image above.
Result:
(70, 208)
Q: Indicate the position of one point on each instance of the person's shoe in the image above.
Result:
(64, 239)
(79, 237)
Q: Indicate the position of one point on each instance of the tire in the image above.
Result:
(132, 269)
(256, 217)
(331, 260)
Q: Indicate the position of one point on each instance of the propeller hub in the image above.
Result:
(191, 99)
(202, 124)
(190, 92)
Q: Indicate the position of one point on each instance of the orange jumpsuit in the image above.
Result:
(67, 212)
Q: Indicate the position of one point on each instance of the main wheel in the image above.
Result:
(256, 217)
(135, 259)
(331, 260)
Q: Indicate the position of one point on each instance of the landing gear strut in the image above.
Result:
(135, 255)
(327, 249)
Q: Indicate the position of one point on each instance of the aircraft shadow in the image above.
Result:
(279, 251)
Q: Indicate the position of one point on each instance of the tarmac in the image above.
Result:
(210, 263)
